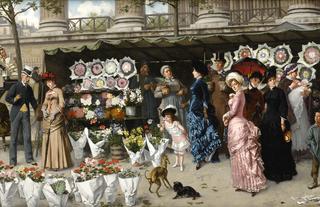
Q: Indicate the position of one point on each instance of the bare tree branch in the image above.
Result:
(5, 17)
(24, 10)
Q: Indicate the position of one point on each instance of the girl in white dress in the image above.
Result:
(179, 135)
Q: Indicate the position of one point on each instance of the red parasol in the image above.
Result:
(246, 66)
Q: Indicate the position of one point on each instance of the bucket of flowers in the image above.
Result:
(97, 139)
(129, 181)
(32, 185)
(90, 182)
(8, 184)
(109, 170)
(56, 190)
(78, 138)
(132, 97)
(155, 142)
(134, 143)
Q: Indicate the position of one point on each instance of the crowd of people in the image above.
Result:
(258, 128)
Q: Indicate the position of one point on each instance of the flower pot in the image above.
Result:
(131, 111)
(117, 152)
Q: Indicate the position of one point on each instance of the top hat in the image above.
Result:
(220, 57)
(27, 70)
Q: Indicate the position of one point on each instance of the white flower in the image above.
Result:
(86, 102)
(115, 101)
(149, 121)
(97, 102)
(90, 115)
(120, 132)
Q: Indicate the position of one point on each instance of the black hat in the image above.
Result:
(220, 57)
(271, 72)
(256, 74)
(200, 67)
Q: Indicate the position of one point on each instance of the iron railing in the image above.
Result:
(89, 24)
(165, 20)
(253, 16)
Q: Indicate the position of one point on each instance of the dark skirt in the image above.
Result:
(203, 137)
(276, 152)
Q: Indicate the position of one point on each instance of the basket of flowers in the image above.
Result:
(132, 98)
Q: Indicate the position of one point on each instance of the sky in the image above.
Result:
(83, 8)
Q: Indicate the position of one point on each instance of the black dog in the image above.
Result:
(184, 191)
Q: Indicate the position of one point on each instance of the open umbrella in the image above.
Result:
(246, 66)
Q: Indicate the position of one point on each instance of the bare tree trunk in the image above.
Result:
(16, 40)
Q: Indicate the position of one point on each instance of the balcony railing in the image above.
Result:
(261, 16)
(90, 24)
(165, 20)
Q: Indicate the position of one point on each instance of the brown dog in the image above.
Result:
(159, 173)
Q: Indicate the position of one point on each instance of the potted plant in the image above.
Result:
(129, 181)
(97, 139)
(132, 98)
(116, 146)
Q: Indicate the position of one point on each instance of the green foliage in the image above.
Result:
(59, 187)
(115, 140)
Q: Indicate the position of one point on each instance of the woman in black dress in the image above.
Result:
(276, 150)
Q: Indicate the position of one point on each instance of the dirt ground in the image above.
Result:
(213, 181)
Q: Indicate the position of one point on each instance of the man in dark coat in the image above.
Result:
(20, 95)
(254, 99)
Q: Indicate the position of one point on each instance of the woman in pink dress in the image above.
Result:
(244, 148)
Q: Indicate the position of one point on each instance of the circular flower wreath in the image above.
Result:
(311, 55)
(97, 68)
(80, 69)
(122, 83)
(281, 56)
(111, 82)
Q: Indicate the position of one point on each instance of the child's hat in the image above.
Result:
(169, 108)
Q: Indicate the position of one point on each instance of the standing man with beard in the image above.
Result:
(20, 95)
(219, 97)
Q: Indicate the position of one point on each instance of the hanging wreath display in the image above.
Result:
(111, 83)
(263, 54)
(78, 70)
(122, 83)
(306, 73)
(96, 68)
(243, 52)
(87, 84)
(310, 54)
(127, 67)
(99, 83)
(281, 56)
(111, 67)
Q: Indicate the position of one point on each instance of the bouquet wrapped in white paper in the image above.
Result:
(129, 181)
(135, 143)
(8, 187)
(156, 150)
(110, 193)
(20, 187)
(92, 190)
(79, 143)
(97, 139)
(56, 191)
(32, 192)
(74, 188)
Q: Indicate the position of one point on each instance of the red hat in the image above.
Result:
(48, 76)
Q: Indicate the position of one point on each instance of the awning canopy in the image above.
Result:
(177, 50)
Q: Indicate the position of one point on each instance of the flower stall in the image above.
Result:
(96, 101)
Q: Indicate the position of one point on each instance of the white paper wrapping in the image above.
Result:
(79, 144)
(138, 156)
(92, 191)
(20, 187)
(111, 190)
(8, 191)
(32, 192)
(156, 152)
(96, 148)
(129, 187)
(74, 188)
(53, 199)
